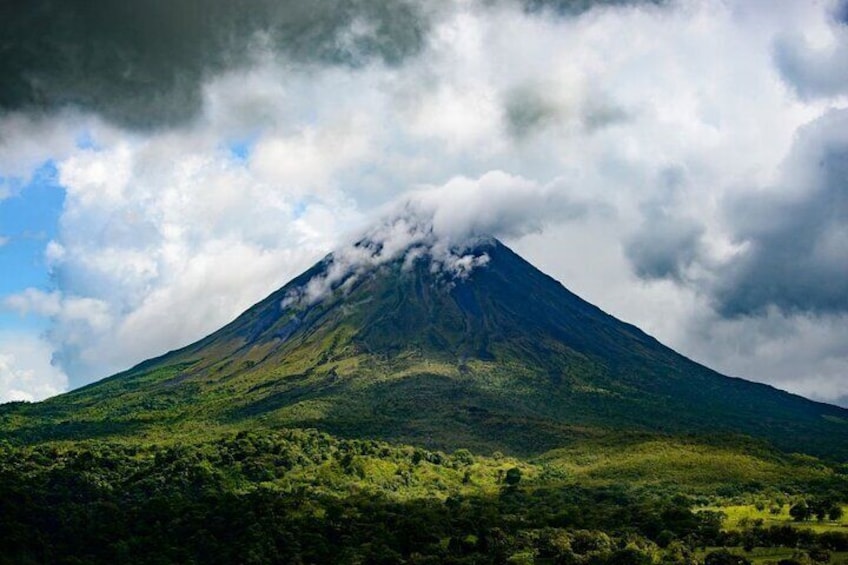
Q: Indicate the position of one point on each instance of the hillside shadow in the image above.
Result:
(72, 431)
(428, 410)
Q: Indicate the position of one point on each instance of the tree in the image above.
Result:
(819, 508)
(709, 524)
(463, 457)
(835, 513)
(513, 476)
(819, 555)
(664, 538)
(677, 553)
(800, 511)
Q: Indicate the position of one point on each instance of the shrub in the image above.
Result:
(513, 476)
(724, 557)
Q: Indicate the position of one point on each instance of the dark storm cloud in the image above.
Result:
(526, 111)
(816, 71)
(793, 236)
(573, 7)
(841, 13)
(529, 110)
(797, 257)
(665, 244)
(664, 247)
(141, 63)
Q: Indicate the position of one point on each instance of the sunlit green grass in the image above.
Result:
(771, 555)
(674, 462)
(740, 516)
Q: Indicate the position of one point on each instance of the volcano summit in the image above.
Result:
(440, 346)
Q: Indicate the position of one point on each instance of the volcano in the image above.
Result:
(471, 347)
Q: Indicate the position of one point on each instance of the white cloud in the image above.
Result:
(26, 371)
(34, 301)
(443, 222)
(496, 204)
(26, 142)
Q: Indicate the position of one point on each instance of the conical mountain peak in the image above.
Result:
(343, 268)
(409, 337)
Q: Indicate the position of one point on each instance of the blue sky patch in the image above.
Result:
(29, 220)
(299, 209)
(240, 149)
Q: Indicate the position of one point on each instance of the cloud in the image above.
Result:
(4, 240)
(575, 7)
(143, 64)
(816, 64)
(26, 371)
(28, 142)
(496, 204)
(789, 240)
(444, 224)
(34, 301)
(796, 245)
(668, 241)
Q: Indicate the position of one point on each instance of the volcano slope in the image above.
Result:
(488, 353)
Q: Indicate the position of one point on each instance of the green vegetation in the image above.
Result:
(778, 514)
(305, 496)
(777, 555)
(409, 419)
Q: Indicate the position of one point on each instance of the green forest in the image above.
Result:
(303, 496)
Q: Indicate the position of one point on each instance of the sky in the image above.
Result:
(682, 164)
